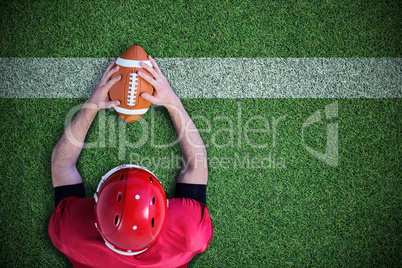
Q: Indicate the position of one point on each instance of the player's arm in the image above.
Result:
(67, 150)
(195, 169)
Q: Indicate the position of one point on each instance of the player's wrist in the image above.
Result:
(174, 104)
(92, 105)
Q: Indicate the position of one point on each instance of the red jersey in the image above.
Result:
(187, 231)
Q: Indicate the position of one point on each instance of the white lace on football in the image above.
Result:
(132, 89)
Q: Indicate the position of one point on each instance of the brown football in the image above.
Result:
(131, 86)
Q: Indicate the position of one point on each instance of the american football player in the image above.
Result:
(130, 222)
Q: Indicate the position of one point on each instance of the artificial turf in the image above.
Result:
(205, 28)
(271, 206)
(276, 205)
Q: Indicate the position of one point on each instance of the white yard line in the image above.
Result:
(214, 77)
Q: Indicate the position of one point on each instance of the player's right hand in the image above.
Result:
(163, 94)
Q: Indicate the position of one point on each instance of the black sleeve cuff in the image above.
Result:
(194, 191)
(65, 191)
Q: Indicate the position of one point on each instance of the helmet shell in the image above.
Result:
(130, 210)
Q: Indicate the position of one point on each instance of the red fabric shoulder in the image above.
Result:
(188, 231)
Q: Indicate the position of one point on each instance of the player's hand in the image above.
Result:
(163, 94)
(100, 97)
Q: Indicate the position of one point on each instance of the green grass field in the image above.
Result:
(271, 201)
(241, 28)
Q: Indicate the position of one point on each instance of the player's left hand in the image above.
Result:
(100, 97)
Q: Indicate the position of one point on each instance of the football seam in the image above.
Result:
(133, 82)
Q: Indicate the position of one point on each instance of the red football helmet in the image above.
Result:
(130, 210)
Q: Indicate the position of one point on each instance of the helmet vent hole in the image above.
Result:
(119, 197)
(116, 219)
(153, 199)
(153, 222)
(122, 177)
(152, 181)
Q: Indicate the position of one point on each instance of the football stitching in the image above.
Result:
(132, 89)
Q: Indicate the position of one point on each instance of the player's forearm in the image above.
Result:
(68, 149)
(191, 143)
